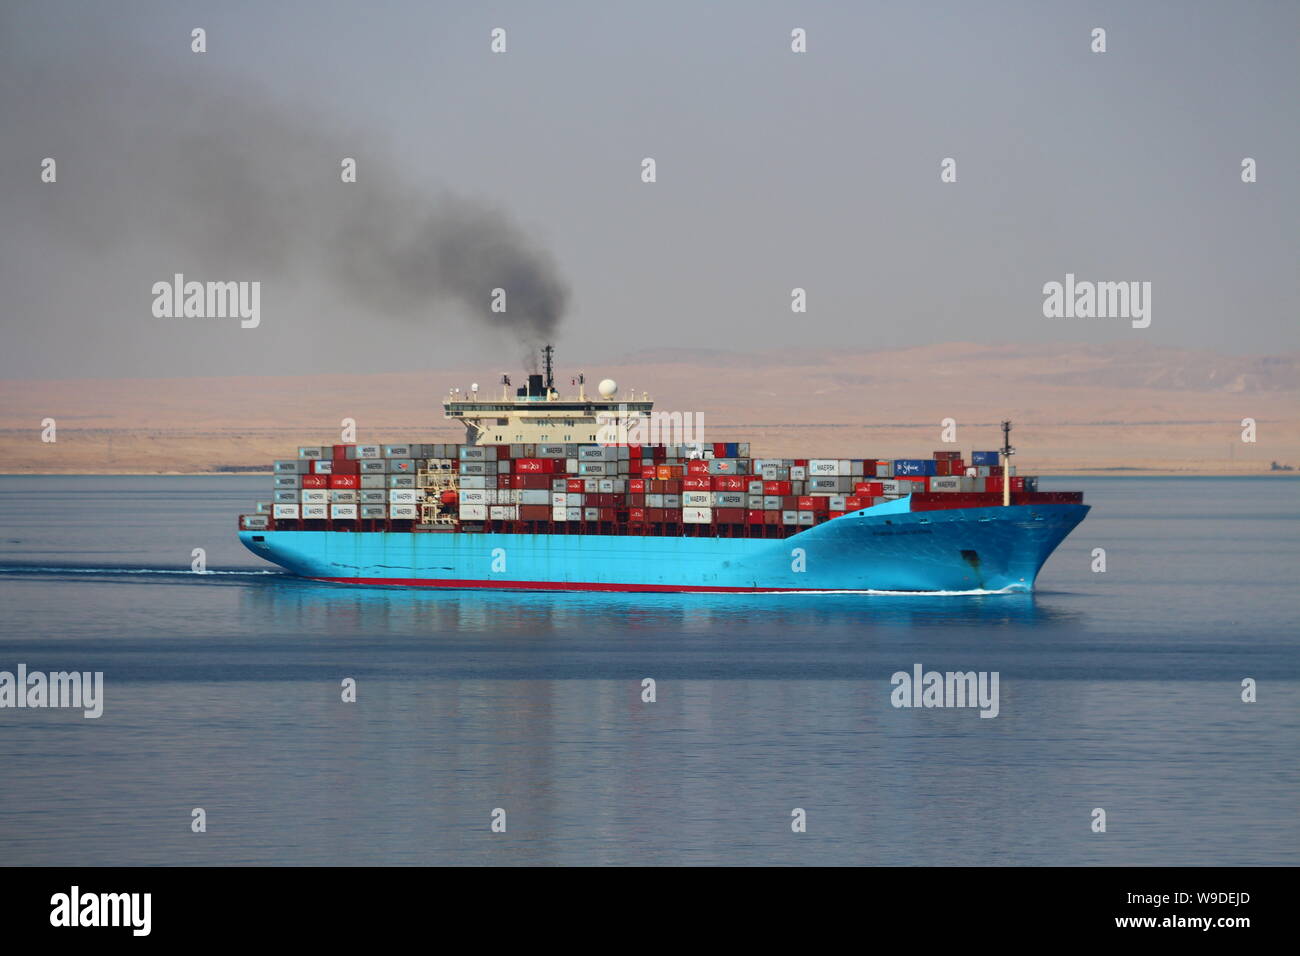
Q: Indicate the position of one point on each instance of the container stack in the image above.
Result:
(702, 490)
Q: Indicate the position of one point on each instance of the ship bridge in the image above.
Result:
(538, 413)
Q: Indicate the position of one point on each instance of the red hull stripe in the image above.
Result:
(545, 585)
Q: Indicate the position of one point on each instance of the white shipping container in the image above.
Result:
(824, 467)
(503, 512)
(369, 451)
(340, 497)
(559, 514)
(573, 514)
(315, 496)
(530, 497)
(728, 499)
(315, 512)
(697, 515)
(404, 511)
(798, 473)
(789, 517)
(473, 496)
(697, 499)
(344, 512)
(286, 511)
(403, 496)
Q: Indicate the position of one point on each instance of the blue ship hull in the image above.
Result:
(885, 548)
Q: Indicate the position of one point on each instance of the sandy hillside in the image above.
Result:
(1076, 408)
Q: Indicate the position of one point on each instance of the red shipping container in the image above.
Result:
(834, 514)
(853, 503)
(654, 515)
(995, 469)
(636, 486)
(347, 466)
(633, 452)
(869, 469)
(789, 503)
(673, 486)
(503, 452)
(636, 515)
(636, 501)
(341, 451)
(606, 514)
(315, 481)
(801, 462)
(534, 512)
(697, 484)
(733, 483)
(697, 466)
(343, 481)
(869, 489)
(649, 471)
(771, 517)
(946, 455)
(729, 515)
(806, 503)
(753, 517)
(659, 453)
(943, 468)
(776, 487)
(574, 486)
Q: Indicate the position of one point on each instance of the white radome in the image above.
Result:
(608, 388)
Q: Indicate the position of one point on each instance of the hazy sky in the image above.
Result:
(775, 170)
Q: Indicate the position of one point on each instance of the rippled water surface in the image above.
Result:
(1119, 690)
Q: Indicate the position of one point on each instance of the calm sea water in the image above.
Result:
(1118, 690)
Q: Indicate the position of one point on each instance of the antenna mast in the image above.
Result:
(546, 365)
(1007, 452)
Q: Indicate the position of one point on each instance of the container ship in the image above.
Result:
(583, 493)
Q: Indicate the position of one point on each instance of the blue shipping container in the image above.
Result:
(983, 458)
(914, 466)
